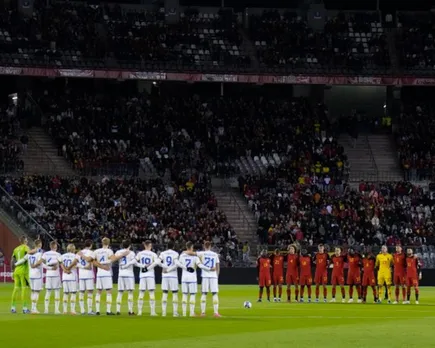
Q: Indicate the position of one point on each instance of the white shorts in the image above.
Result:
(104, 283)
(209, 285)
(36, 284)
(147, 284)
(189, 288)
(86, 284)
(125, 284)
(69, 286)
(52, 283)
(169, 284)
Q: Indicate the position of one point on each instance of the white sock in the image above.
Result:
(175, 303)
(152, 302)
(97, 302)
(118, 301)
(192, 304)
(140, 302)
(72, 302)
(82, 302)
(164, 303)
(184, 304)
(215, 303)
(36, 299)
(57, 300)
(109, 302)
(90, 302)
(47, 300)
(65, 302)
(33, 296)
(203, 303)
(130, 301)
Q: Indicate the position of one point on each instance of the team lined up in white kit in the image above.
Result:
(103, 258)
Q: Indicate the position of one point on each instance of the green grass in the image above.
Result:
(265, 325)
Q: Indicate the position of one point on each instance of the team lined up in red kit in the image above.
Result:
(299, 274)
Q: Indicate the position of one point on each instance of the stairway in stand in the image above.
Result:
(238, 215)
(385, 157)
(42, 157)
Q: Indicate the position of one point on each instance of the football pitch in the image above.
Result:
(264, 325)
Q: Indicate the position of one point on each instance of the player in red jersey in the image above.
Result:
(354, 274)
(399, 259)
(413, 275)
(337, 277)
(264, 279)
(306, 279)
(292, 276)
(369, 261)
(321, 260)
(277, 274)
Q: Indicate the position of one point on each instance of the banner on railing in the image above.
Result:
(5, 274)
(241, 78)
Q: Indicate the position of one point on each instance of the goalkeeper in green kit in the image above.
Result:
(20, 275)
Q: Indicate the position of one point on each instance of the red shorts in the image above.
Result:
(306, 280)
(278, 279)
(399, 279)
(321, 278)
(264, 280)
(337, 279)
(292, 279)
(412, 281)
(369, 280)
(353, 279)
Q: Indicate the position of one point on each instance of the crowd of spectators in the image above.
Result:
(10, 147)
(75, 209)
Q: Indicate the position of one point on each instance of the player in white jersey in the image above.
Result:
(189, 280)
(85, 259)
(125, 276)
(52, 277)
(103, 260)
(147, 260)
(35, 273)
(169, 279)
(209, 278)
(69, 279)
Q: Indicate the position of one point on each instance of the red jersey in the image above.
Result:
(321, 260)
(305, 264)
(278, 265)
(263, 264)
(354, 262)
(412, 267)
(369, 264)
(338, 264)
(399, 263)
(292, 264)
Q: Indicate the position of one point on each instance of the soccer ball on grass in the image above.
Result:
(247, 304)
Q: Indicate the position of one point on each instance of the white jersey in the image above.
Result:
(128, 271)
(168, 258)
(67, 260)
(85, 274)
(103, 256)
(37, 272)
(189, 261)
(208, 259)
(51, 258)
(146, 257)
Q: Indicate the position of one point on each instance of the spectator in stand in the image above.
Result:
(2, 258)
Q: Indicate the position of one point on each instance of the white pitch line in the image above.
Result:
(318, 317)
(305, 308)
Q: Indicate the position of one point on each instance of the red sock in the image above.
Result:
(302, 291)
(274, 291)
(289, 294)
(317, 291)
(350, 291)
(268, 292)
(297, 293)
(397, 293)
(404, 293)
(334, 291)
(364, 292)
(325, 292)
(375, 293)
(309, 291)
(343, 292)
(280, 291)
(358, 291)
(260, 293)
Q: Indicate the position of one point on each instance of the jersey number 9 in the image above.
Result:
(168, 260)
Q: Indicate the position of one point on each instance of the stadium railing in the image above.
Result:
(372, 176)
(112, 169)
(22, 218)
(425, 252)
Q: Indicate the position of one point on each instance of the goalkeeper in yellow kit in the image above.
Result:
(384, 262)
